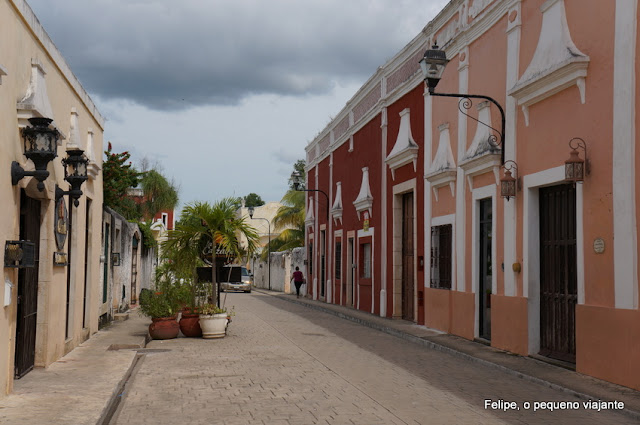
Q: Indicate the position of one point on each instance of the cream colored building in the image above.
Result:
(262, 221)
(47, 310)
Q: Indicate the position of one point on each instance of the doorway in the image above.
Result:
(107, 237)
(351, 273)
(558, 272)
(134, 270)
(407, 257)
(485, 271)
(27, 289)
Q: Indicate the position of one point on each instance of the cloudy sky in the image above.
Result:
(225, 94)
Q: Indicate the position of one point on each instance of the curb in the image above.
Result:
(442, 348)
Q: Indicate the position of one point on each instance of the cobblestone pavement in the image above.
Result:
(282, 363)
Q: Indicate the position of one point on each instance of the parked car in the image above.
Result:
(235, 278)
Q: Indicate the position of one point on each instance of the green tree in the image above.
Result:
(253, 200)
(203, 226)
(289, 220)
(159, 194)
(299, 167)
(118, 177)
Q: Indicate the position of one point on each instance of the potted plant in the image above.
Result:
(191, 295)
(161, 304)
(213, 321)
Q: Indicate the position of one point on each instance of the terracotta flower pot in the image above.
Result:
(164, 328)
(190, 324)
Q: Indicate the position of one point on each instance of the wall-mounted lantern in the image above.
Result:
(19, 254)
(40, 146)
(574, 167)
(509, 183)
(75, 172)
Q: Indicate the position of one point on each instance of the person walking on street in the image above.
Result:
(298, 280)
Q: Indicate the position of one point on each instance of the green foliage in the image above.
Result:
(118, 177)
(203, 227)
(148, 241)
(299, 167)
(210, 309)
(253, 200)
(289, 220)
(165, 299)
(159, 194)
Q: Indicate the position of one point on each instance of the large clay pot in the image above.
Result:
(213, 326)
(164, 328)
(190, 324)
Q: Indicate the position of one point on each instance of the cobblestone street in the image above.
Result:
(282, 363)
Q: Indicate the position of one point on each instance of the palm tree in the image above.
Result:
(203, 226)
(290, 221)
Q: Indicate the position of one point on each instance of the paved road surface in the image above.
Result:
(282, 364)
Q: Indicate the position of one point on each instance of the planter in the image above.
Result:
(190, 324)
(164, 328)
(213, 326)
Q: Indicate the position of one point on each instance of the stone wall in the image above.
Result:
(282, 266)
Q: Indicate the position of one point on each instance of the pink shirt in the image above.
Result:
(297, 276)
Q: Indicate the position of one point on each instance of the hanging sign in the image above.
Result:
(61, 223)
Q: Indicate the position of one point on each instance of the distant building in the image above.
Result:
(264, 227)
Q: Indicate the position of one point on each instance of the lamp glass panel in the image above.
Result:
(578, 171)
(568, 171)
(81, 169)
(508, 188)
(43, 142)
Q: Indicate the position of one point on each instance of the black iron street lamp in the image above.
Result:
(40, 146)
(433, 64)
(75, 172)
(296, 179)
(251, 210)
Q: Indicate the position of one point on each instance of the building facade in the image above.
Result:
(51, 306)
(405, 217)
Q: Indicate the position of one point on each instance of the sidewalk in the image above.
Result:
(570, 382)
(78, 388)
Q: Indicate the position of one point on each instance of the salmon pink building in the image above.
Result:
(405, 213)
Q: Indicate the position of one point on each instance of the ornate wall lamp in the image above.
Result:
(574, 167)
(509, 184)
(40, 146)
(75, 172)
(251, 211)
(296, 179)
(433, 64)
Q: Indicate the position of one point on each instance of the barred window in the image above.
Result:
(441, 257)
(338, 260)
(366, 261)
(310, 260)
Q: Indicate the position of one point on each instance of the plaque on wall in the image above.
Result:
(61, 223)
(598, 245)
(60, 259)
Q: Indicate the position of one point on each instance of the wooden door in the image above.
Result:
(407, 257)
(351, 276)
(558, 272)
(27, 289)
(485, 271)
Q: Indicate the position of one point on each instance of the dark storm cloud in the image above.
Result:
(170, 55)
